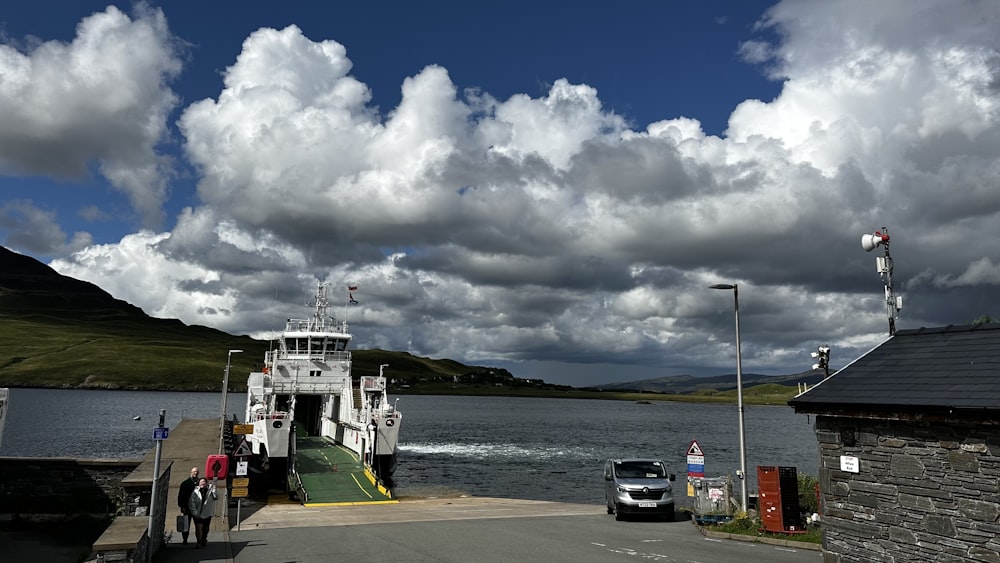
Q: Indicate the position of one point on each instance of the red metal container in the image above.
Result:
(778, 499)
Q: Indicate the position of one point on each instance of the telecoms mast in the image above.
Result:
(883, 265)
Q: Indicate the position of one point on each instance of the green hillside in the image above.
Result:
(56, 331)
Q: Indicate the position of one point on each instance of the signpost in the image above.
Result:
(4, 397)
(696, 464)
(241, 483)
(160, 434)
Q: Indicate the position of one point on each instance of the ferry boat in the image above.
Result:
(305, 399)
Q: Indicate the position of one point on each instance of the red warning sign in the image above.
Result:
(695, 460)
(695, 449)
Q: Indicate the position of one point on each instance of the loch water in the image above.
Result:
(526, 448)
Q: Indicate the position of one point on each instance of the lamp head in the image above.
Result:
(722, 286)
(235, 351)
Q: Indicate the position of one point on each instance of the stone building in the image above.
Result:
(909, 440)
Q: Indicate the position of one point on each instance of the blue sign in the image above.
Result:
(696, 470)
(160, 433)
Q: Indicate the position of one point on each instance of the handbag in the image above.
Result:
(182, 523)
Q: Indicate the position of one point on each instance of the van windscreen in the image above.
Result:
(639, 470)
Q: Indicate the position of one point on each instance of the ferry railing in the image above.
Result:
(308, 384)
(277, 415)
(329, 355)
(312, 385)
(310, 325)
(300, 489)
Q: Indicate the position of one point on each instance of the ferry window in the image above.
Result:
(314, 373)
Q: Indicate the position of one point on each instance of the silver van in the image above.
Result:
(638, 486)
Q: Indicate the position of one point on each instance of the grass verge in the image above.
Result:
(753, 527)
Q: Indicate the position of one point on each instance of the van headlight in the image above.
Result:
(622, 489)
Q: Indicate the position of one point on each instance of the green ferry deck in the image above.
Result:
(332, 475)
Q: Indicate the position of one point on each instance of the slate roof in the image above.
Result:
(927, 370)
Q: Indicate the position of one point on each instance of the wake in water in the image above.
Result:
(485, 452)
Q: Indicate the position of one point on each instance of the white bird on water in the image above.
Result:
(136, 418)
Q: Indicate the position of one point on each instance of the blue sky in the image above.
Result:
(647, 60)
(546, 188)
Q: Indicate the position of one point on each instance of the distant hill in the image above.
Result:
(686, 384)
(57, 331)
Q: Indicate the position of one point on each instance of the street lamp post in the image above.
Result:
(225, 390)
(739, 395)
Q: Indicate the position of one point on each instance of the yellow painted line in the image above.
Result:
(358, 483)
(279, 499)
(354, 503)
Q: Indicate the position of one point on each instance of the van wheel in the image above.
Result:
(618, 513)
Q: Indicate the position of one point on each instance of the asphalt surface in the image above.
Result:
(464, 530)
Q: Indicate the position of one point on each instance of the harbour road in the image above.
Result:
(480, 530)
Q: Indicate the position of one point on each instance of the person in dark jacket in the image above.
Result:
(184, 497)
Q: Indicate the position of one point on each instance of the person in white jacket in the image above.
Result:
(200, 506)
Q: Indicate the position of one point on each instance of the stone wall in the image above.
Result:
(923, 491)
(40, 488)
(139, 502)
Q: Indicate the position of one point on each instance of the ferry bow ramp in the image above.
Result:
(332, 475)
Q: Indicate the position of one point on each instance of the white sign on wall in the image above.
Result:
(850, 464)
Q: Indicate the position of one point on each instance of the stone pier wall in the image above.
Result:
(52, 488)
(922, 491)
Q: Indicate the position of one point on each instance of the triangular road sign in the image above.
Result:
(243, 449)
(695, 449)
